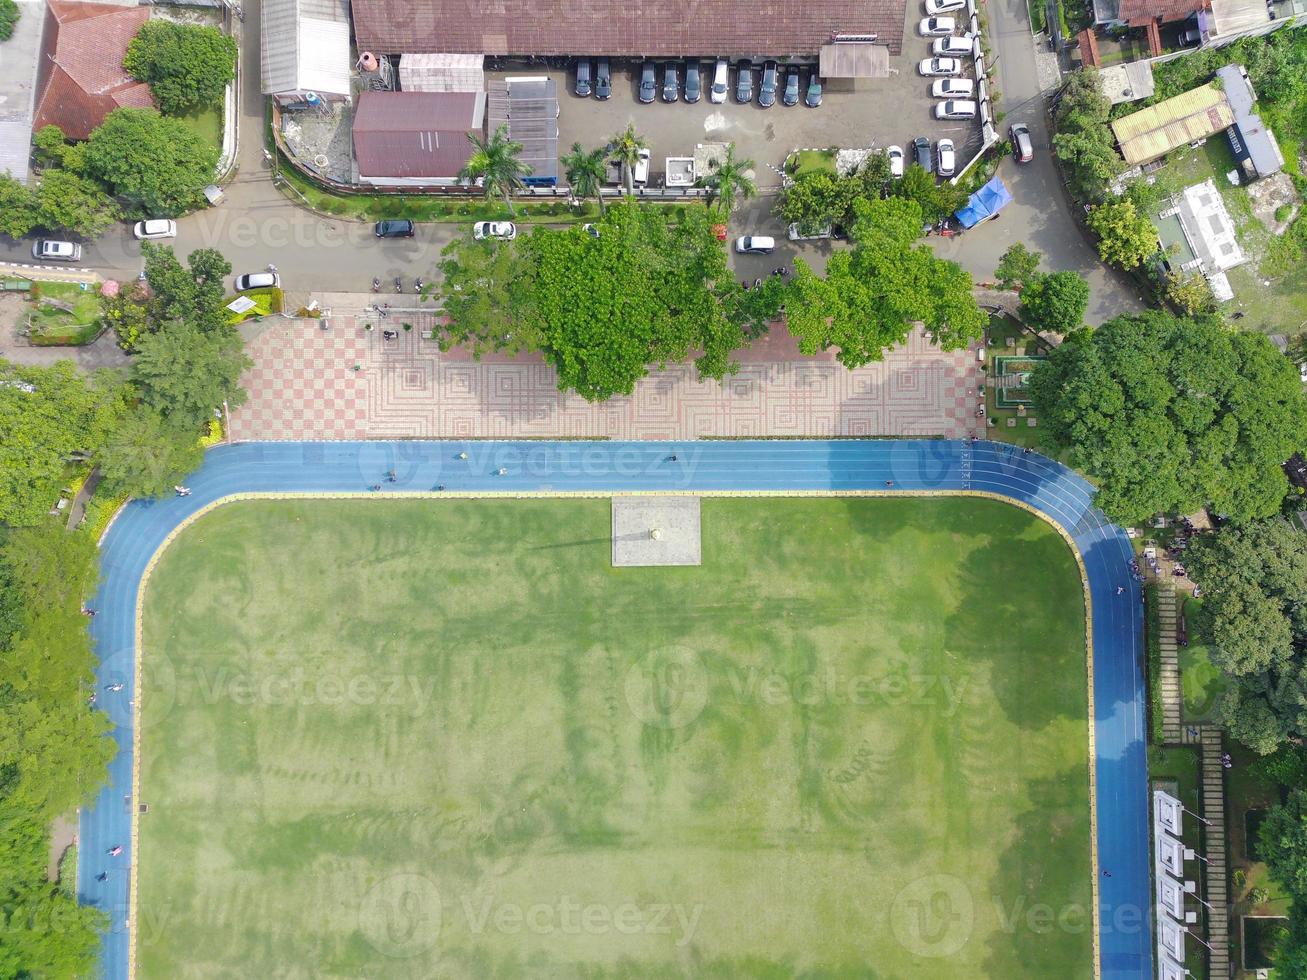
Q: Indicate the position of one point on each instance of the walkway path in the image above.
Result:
(345, 382)
(1117, 727)
(1218, 894)
(1172, 698)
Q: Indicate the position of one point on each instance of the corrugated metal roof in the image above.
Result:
(1258, 141)
(304, 46)
(1153, 132)
(412, 135)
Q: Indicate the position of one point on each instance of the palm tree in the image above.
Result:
(730, 177)
(495, 163)
(586, 172)
(627, 146)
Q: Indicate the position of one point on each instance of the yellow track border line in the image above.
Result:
(597, 495)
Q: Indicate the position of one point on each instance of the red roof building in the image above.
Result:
(80, 76)
(415, 138)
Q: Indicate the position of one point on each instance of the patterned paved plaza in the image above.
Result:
(346, 382)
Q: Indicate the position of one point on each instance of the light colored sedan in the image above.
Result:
(895, 154)
(937, 7)
(947, 158)
(953, 88)
(505, 231)
(936, 26)
(940, 66)
(953, 47)
(155, 228)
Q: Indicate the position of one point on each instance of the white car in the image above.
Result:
(257, 280)
(641, 174)
(936, 7)
(155, 228)
(755, 244)
(936, 26)
(953, 88)
(940, 66)
(895, 154)
(721, 82)
(953, 47)
(503, 230)
(947, 159)
(47, 248)
(955, 109)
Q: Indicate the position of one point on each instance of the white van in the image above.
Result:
(641, 175)
(795, 233)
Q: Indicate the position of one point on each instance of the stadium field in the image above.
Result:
(401, 738)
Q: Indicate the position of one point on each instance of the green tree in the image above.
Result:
(148, 455)
(186, 372)
(937, 200)
(1082, 139)
(1056, 301)
(193, 292)
(1255, 618)
(1282, 842)
(9, 14)
(153, 163)
(187, 66)
(1170, 415)
(18, 210)
(1017, 267)
(626, 146)
(585, 172)
(49, 416)
(65, 201)
(873, 293)
(1190, 293)
(50, 145)
(818, 199)
(1125, 237)
(488, 297)
(495, 163)
(127, 312)
(729, 179)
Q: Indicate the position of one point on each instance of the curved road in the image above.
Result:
(777, 466)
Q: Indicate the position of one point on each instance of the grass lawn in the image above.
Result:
(810, 161)
(207, 125)
(267, 301)
(1201, 681)
(64, 314)
(392, 738)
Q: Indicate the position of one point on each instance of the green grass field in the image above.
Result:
(448, 739)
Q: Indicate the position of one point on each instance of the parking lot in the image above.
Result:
(868, 113)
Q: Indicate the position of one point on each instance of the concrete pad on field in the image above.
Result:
(676, 521)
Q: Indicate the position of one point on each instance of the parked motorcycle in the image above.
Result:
(417, 285)
(399, 285)
(376, 284)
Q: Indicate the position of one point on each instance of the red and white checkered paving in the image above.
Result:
(346, 382)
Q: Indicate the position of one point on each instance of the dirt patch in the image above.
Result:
(1270, 194)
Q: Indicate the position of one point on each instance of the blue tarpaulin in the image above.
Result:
(985, 203)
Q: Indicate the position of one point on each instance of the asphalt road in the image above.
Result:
(257, 225)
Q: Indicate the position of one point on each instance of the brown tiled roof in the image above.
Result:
(1136, 12)
(415, 134)
(80, 77)
(621, 28)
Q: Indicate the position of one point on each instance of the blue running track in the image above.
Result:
(1120, 758)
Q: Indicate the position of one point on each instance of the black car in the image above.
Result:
(813, 98)
(744, 81)
(921, 154)
(693, 82)
(603, 80)
(395, 228)
(648, 82)
(583, 78)
(671, 82)
(767, 90)
(790, 95)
